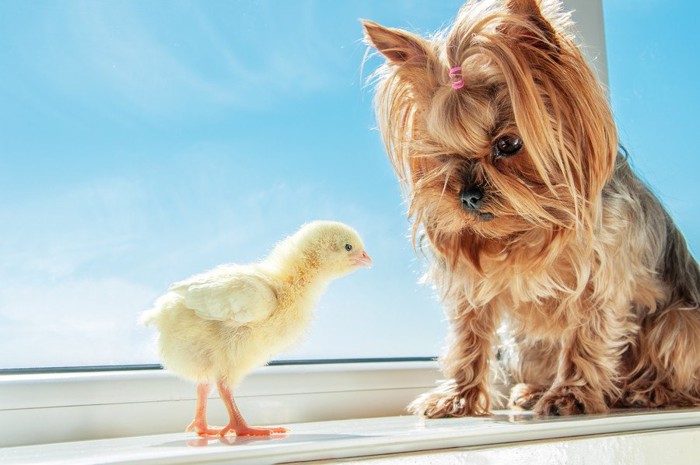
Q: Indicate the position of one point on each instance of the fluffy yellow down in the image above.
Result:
(223, 323)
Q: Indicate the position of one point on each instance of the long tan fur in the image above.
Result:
(568, 248)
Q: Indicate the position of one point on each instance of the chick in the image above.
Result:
(220, 325)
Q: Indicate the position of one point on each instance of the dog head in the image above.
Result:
(497, 128)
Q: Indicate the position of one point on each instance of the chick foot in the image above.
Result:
(202, 429)
(199, 425)
(250, 431)
(237, 424)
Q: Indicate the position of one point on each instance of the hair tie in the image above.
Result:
(456, 72)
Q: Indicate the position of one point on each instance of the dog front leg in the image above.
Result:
(465, 392)
(587, 378)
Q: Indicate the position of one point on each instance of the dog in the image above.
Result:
(533, 221)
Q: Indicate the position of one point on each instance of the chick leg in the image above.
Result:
(199, 424)
(237, 424)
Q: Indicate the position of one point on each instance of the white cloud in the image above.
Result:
(74, 322)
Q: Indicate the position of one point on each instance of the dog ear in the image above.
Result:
(524, 6)
(398, 46)
(535, 30)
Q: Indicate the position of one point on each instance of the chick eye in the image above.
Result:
(348, 247)
(507, 146)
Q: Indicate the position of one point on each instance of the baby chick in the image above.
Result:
(220, 325)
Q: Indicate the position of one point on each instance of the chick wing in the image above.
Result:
(228, 294)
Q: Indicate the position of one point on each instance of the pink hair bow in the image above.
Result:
(456, 72)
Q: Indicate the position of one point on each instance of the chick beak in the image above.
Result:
(363, 260)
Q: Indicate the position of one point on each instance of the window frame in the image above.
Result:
(70, 406)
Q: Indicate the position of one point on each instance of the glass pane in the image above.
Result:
(143, 142)
(652, 50)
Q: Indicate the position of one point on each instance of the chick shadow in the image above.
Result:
(289, 438)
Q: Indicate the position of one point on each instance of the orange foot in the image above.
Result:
(248, 431)
(202, 429)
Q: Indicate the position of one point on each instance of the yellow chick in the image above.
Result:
(220, 325)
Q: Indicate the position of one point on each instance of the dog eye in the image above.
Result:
(507, 146)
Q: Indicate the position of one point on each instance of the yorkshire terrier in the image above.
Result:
(504, 141)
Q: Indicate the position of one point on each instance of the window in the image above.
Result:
(146, 142)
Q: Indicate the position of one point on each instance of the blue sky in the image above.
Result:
(653, 69)
(146, 141)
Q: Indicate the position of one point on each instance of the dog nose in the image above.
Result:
(472, 198)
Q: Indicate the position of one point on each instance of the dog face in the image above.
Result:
(497, 128)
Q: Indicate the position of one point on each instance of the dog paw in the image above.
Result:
(654, 396)
(569, 400)
(447, 401)
(524, 396)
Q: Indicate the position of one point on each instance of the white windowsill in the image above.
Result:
(396, 435)
(137, 417)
